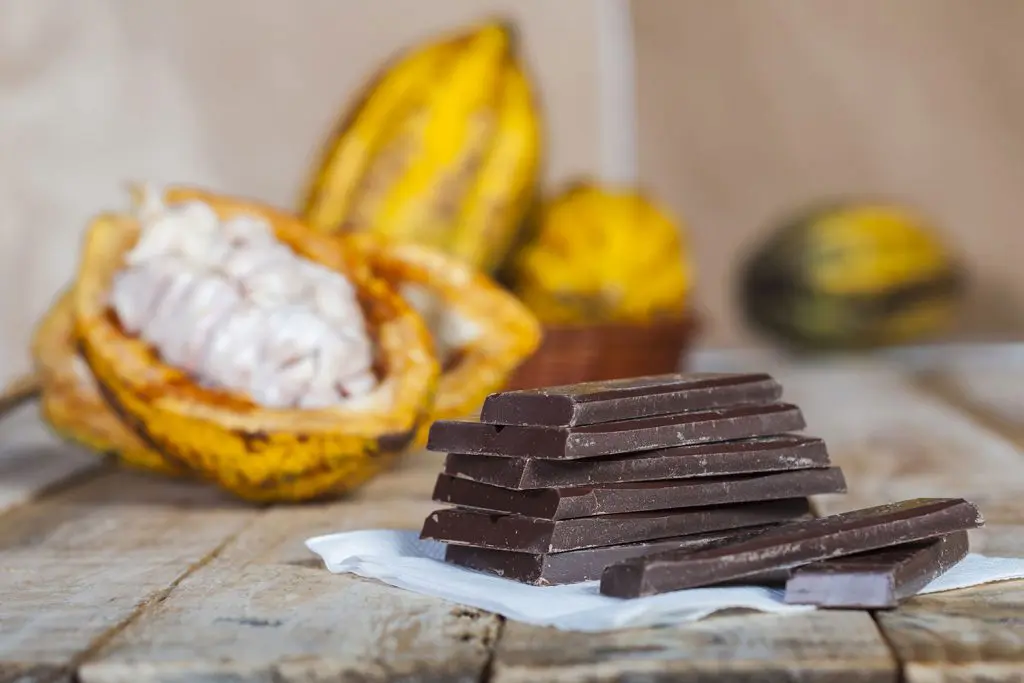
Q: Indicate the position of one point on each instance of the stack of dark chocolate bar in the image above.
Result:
(656, 484)
(551, 486)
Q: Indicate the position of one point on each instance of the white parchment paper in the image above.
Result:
(400, 558)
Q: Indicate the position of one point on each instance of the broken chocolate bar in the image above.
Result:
(625, 436)
(879, 579)
(573, 566)
(759, 454)
(532, 535)
(791, 545)
(625, 399)
(609, 499)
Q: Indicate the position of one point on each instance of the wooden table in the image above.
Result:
(121, 577)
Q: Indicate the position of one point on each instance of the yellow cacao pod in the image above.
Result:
(119, 392)
(441, 148)
(603, 255)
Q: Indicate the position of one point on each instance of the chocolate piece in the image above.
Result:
(760, 454)
(878, 579)
(791, 545)
(625, 399)
(573, 566)
(532, 535)
(624, 436)
(610, 499)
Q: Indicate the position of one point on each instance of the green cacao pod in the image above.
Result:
(851, 276)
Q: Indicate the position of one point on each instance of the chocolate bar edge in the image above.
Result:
(534, 408)
(630, 497)
(645, 434)
(796, 452)
(525, 534)
(829, 584)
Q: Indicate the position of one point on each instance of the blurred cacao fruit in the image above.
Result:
(442, 148)
(603, 255)
(290, 371)
(851, 275)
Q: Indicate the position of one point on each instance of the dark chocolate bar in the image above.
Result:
(759, 454)
(879, 579)
(610, 499)
(791, 545)
(624, 436)
(625, 399)
(532, 535)
(548, 569)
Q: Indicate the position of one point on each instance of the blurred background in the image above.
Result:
(732, 115)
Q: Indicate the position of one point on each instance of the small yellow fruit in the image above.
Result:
(603, 255)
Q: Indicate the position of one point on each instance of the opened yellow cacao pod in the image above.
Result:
(603, 255)
(441, 149)
(221, 338)
(72, 401)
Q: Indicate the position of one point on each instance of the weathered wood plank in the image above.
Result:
(989, 386)
(820, 646)
(33, 460)
(80, 563)
(894, 441)
(975, 634)
(266, 610)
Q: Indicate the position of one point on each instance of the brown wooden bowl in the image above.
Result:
(584, 353)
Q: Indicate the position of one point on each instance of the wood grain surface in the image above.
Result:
(33, 460)
(264, 610)
(825, 646)
(121, 577)
(989, 387)
(78, 565)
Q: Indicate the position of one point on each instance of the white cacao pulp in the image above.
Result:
(240, 311)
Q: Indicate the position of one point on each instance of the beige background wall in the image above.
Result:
(749, 109)
(742, 110)
(234, 94)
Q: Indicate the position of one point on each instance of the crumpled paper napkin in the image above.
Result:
(400, 558)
